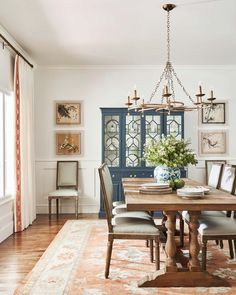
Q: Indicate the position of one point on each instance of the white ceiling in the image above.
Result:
(122, 32)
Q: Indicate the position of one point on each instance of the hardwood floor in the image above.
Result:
(20, 252)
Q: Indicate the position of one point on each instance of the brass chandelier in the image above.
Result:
(168, 100)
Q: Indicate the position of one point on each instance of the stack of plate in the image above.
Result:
(158, 188)
(192, 192)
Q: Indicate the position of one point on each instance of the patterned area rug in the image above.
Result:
(74, 263)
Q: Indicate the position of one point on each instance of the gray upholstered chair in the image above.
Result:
(66, 185)
(221, 227)
(128, 225)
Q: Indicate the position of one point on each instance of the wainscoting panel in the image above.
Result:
(6, 219)
(88, 186)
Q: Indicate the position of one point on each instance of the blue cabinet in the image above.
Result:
(124, 137)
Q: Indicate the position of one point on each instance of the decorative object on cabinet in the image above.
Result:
(68, 112)
(68, 143)
(212, 142)
(123, 140)
(169, 155)
(166, 86)
(213, 113)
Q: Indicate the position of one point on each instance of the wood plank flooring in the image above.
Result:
(20, 252)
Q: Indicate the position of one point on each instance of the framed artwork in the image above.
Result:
(212, 142)
(68, 112)
(213, 113)
(68, 143)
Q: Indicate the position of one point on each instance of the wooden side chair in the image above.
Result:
(66, 185)
(125, 226)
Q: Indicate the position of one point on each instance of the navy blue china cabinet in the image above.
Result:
(124, 137)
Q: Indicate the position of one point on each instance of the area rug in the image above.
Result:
(74, 264)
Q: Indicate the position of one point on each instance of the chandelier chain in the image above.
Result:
(157, 85)
(182, 86)
(168, 36)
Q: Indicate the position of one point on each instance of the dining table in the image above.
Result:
(173, 275)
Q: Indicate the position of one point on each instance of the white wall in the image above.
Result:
(108, 87)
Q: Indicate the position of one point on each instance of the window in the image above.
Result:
(7, 144)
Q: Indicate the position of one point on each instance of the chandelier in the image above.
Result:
(168, 99)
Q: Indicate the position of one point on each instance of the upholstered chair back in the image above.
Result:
(228, 178)
(107, 192)
(67, 174)
(214, 175)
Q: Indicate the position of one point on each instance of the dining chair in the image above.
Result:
(66, 185)
(219, 227)
(208, 167)
(125, 225)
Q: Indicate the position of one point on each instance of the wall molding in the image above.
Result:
(135, 67)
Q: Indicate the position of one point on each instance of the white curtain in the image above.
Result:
(25, 209)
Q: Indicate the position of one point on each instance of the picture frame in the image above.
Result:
(212, 142)
(68, 112)
(213, 113)
(68, 143)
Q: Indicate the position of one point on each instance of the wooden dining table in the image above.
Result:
(172, 275)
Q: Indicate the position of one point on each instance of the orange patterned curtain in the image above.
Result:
(18, 221)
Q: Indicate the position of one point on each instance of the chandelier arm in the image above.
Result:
(172, 84)
(182, 86)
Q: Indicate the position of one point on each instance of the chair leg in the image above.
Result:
(76, 207)
(151, 250)
(157, 253)
(50, 207)
(181, 234)
(221, 244)
(217, 242)
(231, 251)
(147, 243)
(108, 258)
(57, 202)
(204, 255)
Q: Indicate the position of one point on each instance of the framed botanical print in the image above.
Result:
(68, 112)
(212, 142)
(68, 143)
(213, 113)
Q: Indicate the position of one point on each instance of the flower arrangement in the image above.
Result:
(169, 152)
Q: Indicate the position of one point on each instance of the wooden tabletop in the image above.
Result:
(215, 200)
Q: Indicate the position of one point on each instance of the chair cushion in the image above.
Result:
(135, 226)
(119, 218)
(119, 209)
(217, 226)
(117, 203)
(64, 193)
(204, 213)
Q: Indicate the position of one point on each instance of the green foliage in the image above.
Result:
(169, 152)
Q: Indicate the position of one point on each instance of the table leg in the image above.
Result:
(76, 207)
(170, 242)
(194, 248)
(170, 276)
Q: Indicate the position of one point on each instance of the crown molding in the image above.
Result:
(135, 67)
(5, 33)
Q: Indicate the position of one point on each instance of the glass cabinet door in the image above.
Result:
(174, 125)
(152, 128)
(112, 141)
(133, 144)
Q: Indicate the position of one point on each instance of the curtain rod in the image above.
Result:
(15, 50)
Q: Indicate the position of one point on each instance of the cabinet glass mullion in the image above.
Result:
(112, 140)
(133, 140)
(174, 125)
